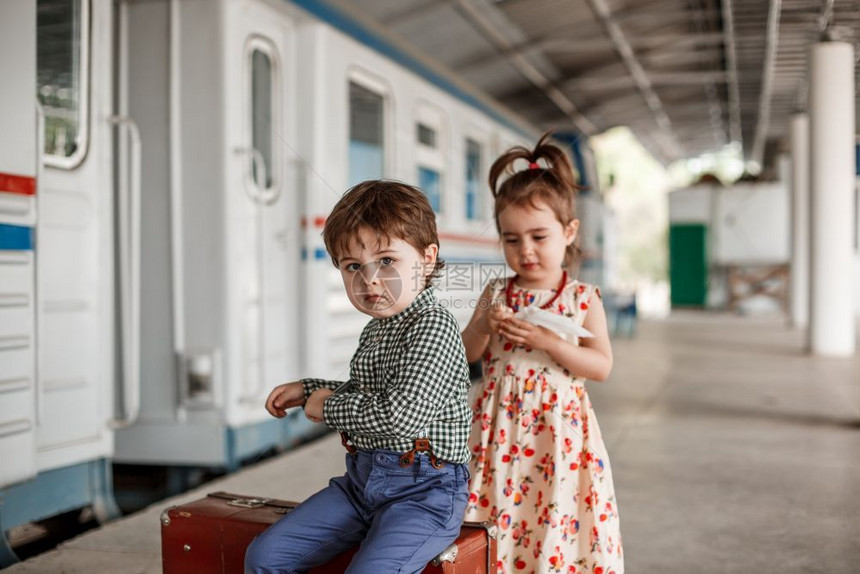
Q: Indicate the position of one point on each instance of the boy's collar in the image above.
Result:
(426, 297)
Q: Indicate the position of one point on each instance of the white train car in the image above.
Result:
(254, 118)
(59, 350)
(164, 267)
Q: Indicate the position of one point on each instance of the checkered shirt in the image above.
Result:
(410, 378)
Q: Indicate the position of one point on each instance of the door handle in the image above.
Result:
(129, 261)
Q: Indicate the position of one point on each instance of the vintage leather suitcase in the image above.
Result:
(210, 535)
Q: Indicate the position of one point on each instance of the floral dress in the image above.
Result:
(539, 466)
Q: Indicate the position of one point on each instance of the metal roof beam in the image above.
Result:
(680, 57)
(712, 92)
(761, 128)
(412, 13)
(657, 17)
(589, 83)
(567, 45)
(603, 13)
(475, 15)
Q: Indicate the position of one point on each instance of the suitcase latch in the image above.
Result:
(248, 502)
(447, 555)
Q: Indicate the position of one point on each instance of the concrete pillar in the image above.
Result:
(799, 194)
(831, 99)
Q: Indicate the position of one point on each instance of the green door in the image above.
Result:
(688, 264)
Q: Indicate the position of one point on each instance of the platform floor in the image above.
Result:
(732, 451)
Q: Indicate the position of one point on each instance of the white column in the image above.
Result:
(831, 97)
(799, 181)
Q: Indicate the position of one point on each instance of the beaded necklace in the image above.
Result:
(509, 291)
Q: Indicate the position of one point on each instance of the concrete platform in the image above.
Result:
(732, 451)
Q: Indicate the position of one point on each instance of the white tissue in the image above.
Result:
(552, 321)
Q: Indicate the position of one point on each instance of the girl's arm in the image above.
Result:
(485, 321)
(476, 335)
(592, 359)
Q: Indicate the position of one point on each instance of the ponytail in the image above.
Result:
(548, 177)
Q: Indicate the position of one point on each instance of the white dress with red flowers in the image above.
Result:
(539, 466)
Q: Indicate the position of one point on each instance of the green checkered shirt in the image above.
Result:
(410, 380)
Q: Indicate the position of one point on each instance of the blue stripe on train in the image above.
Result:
(319, 254)
(16, 237)
(352, 28)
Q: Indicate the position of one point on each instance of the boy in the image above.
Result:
(403, 413)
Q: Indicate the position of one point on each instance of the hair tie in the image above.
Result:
(534, 165)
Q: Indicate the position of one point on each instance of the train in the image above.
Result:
(162, 196)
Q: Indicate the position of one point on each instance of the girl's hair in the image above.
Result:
(552, 182)
(391, 210)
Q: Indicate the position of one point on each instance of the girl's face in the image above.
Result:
(382, 278)
(535, 243)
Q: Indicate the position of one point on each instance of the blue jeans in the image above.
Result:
(403, 518)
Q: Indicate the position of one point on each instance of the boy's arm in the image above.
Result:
(431, 366)
(310, 385)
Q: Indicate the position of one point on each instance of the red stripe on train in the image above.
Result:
(17, 184)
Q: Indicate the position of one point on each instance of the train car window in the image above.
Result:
(261, 113)
(474, 172)
(62, 41)
(430, 156)
(430, 182)
(426, 135)
(366, 134)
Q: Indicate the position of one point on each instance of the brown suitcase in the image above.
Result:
(211, 534)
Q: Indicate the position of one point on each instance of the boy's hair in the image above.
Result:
(554, 183)
(391, 209)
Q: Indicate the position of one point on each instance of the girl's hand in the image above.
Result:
(499, 313)
(524, 333)
(284, 397)
(314, 406)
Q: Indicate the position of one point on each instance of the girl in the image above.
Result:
(539, 466)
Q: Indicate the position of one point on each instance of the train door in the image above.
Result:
(263, 229)
(75, 256)
(56, 261)
(18, 170)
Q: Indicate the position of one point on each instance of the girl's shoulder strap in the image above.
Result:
(583, 291)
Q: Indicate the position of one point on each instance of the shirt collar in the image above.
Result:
(422, 300)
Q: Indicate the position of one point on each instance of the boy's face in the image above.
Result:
(382, 278)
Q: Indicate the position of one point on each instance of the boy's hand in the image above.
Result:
(498, 314)
(284, 397)
(314, 406)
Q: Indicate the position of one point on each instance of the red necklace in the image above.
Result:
(509, 291)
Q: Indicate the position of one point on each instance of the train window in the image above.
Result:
(430, 153)
(366, 131)
(62, 78)
(261, 113)
(430, 182)
(426, 135)
(474, 171)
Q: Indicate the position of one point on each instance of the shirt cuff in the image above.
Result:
(310, 385)
(331, 410)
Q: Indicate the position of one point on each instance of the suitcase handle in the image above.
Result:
(248, 502)
(280, 506)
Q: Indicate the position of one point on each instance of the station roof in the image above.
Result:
(686, 76)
